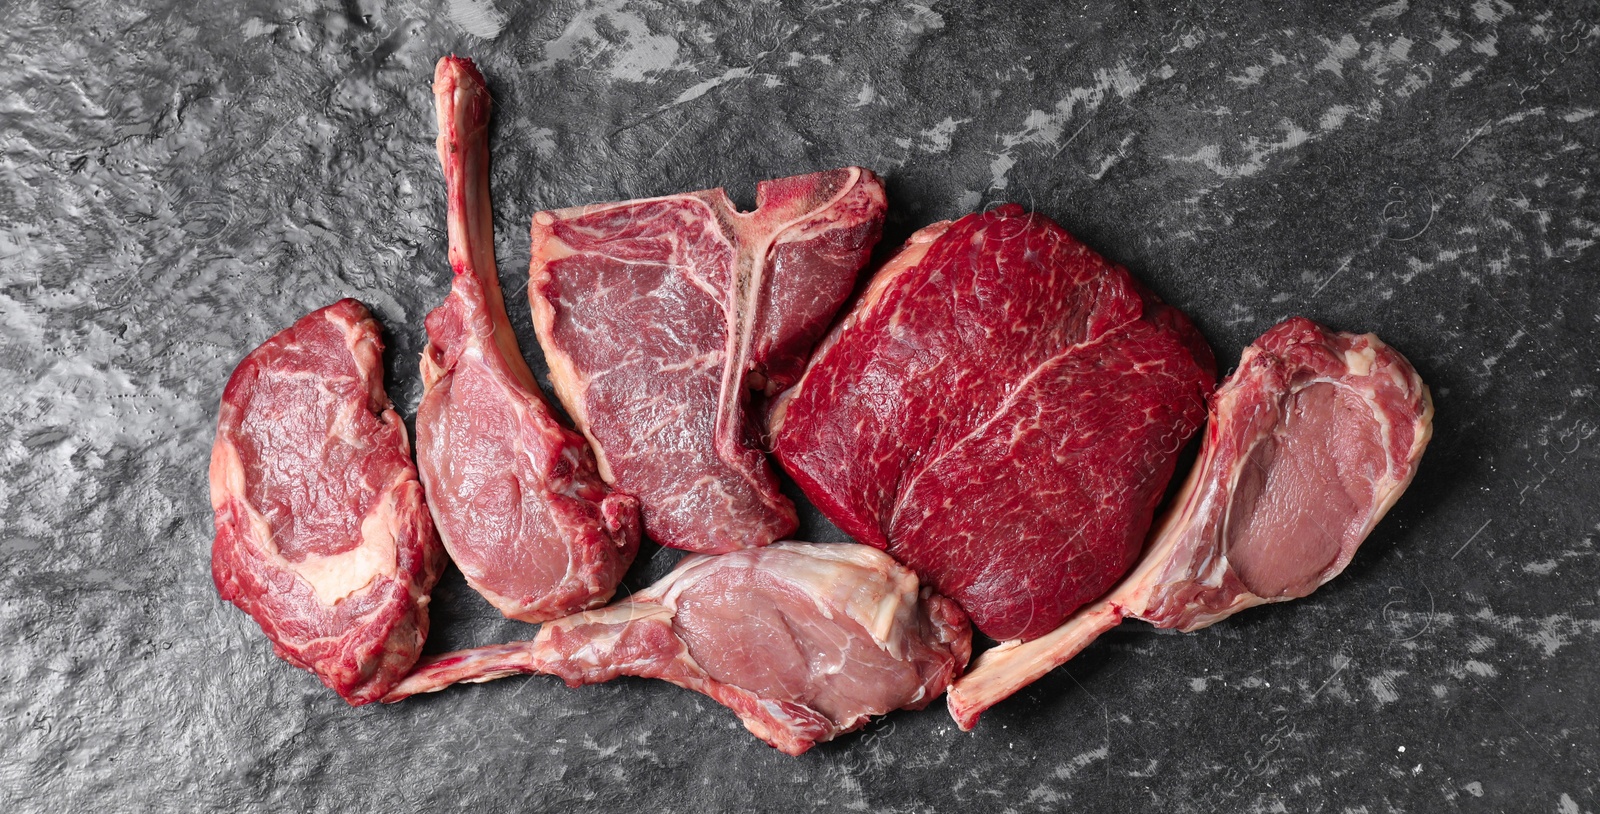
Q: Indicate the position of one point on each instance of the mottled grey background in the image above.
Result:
(182, 180)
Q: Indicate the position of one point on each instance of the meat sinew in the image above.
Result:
(660, 318)
(803, 641)
(322, 535)
(1001, 411)
(515, 495)
(1310, 442)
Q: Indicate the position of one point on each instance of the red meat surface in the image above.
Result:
(322, 535)
(661, 318)
(1001, 411)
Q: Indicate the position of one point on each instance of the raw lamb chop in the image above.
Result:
(322, 535)
(1310, 442)
(1001, 412)
(516, 496)
(803, 641)
(660, 316)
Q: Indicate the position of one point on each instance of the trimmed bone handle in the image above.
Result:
(465, 666)
(1005, 669)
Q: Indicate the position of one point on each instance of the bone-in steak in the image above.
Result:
(322, 535)
(515, 495)
(660, 317)
(1310, 442)
(1001, 411)
(803, 641)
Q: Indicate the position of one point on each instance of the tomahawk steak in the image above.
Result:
(515, 495)
(1310, 442)
(322, 536)
(660, 317)
(803, 641)
(1001, 411)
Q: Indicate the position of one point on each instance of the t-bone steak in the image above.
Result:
(516, 496)
(804, 641)
(322, 535)
(661, 317)
(1309, 443)
(1001, 411)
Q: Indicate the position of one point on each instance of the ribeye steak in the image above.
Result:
(322, 535)
(516, 496)
(1001, 411)
(804, 641)
(1309, 443)
(660, 317)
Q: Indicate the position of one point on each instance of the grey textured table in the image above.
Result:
(182, 181)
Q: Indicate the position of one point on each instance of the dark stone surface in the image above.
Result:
(182, 180)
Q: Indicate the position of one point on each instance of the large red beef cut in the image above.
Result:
(1001, 411)
(660, 318)
(515, 495)
(322, 535)
(1309, 443)
(803, 641)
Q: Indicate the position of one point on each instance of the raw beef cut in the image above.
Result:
(515, 494)
(1001, 411)
(322, 535)
(804, 641)
(1310, 442)
(660, 317)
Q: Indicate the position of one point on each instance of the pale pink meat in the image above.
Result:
(515, 495)
(803, 641)
(1310, 442)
